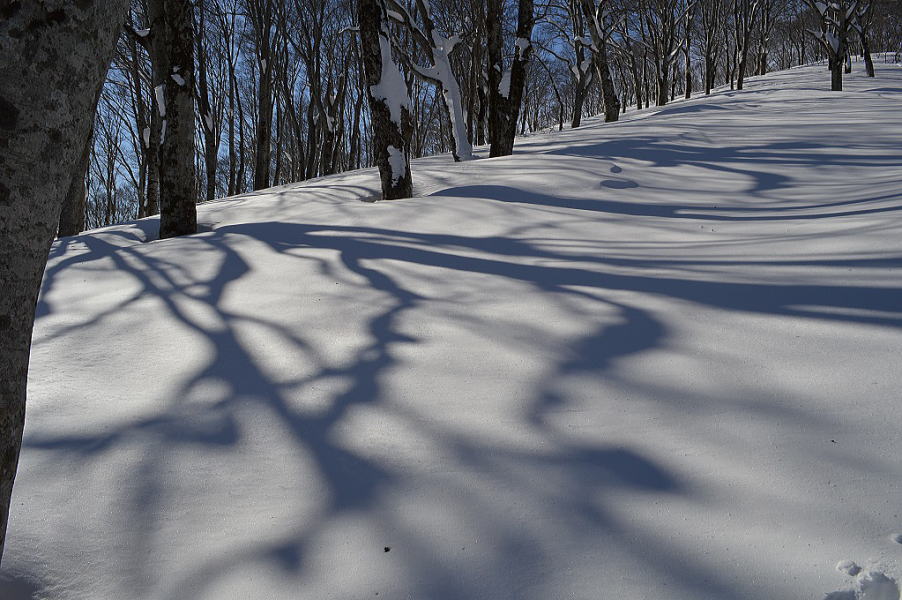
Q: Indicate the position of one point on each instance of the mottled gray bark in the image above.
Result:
(391, 132)
(172, 55)
(54, 56)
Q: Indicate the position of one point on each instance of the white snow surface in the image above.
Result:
(398, 162)
(652, 359)
(391, 88)
(504, 86)
(160, 94)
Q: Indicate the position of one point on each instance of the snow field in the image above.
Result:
(655, 359)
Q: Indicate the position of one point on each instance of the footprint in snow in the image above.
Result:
(869, 585)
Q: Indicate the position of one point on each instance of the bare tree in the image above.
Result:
(506, 85)
(836, 22)
(388, 100)
(172, 54)
(437, 48)
(598, 21)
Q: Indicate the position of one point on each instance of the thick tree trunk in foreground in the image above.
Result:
(388, 99)
(55, 55)
(172, 43)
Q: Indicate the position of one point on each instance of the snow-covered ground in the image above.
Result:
(660, 359)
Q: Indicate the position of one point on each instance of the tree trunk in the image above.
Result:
(263, 154)
(866, 50)
(578, 101)
(663, 87)
(608, 90)
(153, 166)
(388, 100)
(51, 69)
(172, 27)
(836, 68)
(261, 16)
(494, 48)
(72, 215)
(506, 87)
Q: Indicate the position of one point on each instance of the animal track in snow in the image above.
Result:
(869, 585)
(848, 567)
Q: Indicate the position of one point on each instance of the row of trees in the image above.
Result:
(116, 109)
(281, 95)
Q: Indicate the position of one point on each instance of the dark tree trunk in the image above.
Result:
(504, 104)
(72, 215)
(688, 65)
(392, 123)
(209, 126)
(49, 76)
(153, 166)
(836, 68)
(740, 76)
(608, 90)
(172, 27)
(866, 50)
(663, 87)
(495, 52)
(263, 153)
(578, 101)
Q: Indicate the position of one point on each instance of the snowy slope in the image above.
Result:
(659, 359)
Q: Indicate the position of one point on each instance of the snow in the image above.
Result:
(391, 88)
(651, 359)
(142, 32)
(398, 163)
(178, 79)
(504, 86)
(160, 95)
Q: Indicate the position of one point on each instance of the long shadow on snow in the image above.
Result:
(356, 482)
(731, 159)
(698, 212)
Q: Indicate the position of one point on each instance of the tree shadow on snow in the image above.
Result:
(357, 483)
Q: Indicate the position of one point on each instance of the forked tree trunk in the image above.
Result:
(388, 100)
(54, 61)
(506, 87)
